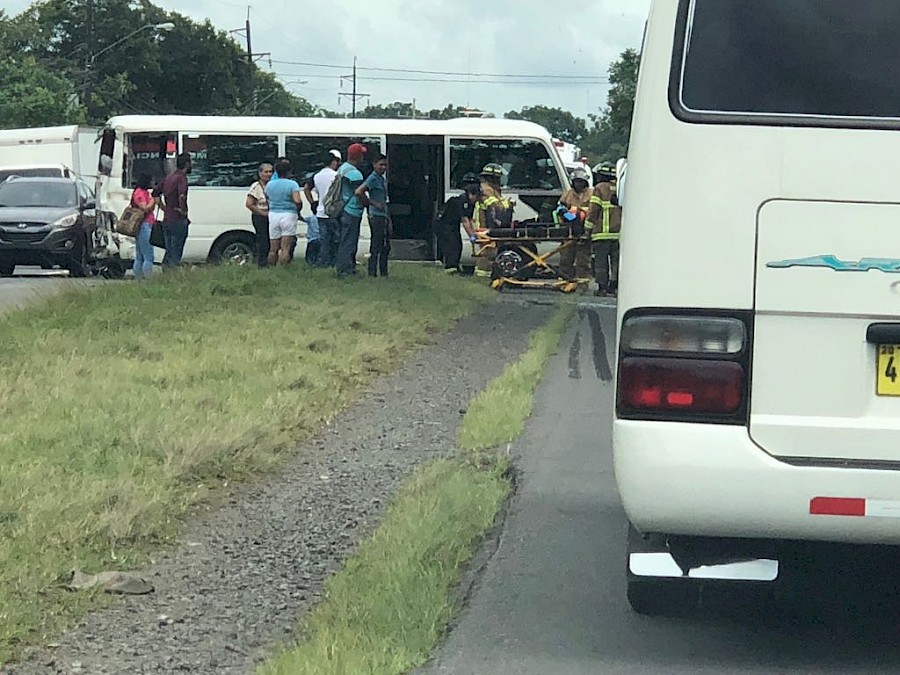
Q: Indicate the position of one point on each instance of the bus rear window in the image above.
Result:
(808, 58)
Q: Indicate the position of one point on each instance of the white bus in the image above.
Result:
(758, 395)
(427, 162)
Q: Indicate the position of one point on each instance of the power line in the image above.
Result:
(444, 72)
(369, 78)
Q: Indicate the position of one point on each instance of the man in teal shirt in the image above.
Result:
(348, 228)
(374, 192)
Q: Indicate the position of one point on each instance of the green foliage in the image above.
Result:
(65, 61)
(404, 110)
(561, 123)
(34, 96)
(610, 133)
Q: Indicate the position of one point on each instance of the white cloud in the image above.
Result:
(532, 37)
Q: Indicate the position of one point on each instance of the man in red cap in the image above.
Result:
(348, 229)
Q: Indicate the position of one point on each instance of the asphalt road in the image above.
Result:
(552, 597)
(31, 284)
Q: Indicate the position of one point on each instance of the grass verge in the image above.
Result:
(124, 406)
(387, 609)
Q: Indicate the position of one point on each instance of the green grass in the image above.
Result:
(124, 406)
(387, 609)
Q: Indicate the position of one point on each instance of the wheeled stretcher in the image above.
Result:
(518, 261)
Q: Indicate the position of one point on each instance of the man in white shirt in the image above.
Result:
(327, 230)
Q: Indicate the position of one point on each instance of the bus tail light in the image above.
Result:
(684, 368)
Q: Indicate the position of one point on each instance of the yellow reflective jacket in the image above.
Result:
(604, 218)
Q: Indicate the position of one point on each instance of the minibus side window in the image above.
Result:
(527, 163)
(308, 153)
(226, 160)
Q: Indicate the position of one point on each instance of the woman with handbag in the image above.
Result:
(143, 199)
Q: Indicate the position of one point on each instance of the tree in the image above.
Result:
(448, 112)
(33, 95)
(194, 69)
(396, 110)
(561, 123)
(610, 131)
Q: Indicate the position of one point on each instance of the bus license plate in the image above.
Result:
(888, 375)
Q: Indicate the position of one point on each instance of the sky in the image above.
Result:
(506, 38)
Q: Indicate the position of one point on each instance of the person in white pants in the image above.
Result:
(285, 203)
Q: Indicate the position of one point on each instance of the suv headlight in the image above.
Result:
(66, 221)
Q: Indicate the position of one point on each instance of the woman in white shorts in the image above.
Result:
(285, 203)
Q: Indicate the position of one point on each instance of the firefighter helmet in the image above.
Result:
(605, 172)
(580, 174)
(492, 170)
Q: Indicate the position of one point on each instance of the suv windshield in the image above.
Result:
(828, 58)
(35, 193)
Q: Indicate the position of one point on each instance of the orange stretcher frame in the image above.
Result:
(547, 276)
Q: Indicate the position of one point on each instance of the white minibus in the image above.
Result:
(758, 377)
(427, 162)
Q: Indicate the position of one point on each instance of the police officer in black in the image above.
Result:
(459, 209)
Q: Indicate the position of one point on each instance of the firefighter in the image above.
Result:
(575, 260)
(492, 211)
(605, 225)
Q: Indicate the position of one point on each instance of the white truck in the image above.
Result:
(73, 148)
(572, 158)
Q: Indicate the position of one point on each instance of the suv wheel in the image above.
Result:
(7, 268)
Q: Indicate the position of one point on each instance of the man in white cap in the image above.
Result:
(327, 230)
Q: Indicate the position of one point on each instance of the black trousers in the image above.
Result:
(451, 245)
(261, 225)
(380, 248)
(312, 251)
(328, 236)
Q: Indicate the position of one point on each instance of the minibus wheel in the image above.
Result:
(238, 248)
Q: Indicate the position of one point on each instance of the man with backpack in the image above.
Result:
(342, 203)
(323, 181)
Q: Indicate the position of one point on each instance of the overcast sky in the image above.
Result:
(506, 38)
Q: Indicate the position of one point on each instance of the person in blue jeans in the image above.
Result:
(348, 228)
(175, 211)
(374, 192)
(143, 199)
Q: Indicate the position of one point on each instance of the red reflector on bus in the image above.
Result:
(652, 384)
(837, 506)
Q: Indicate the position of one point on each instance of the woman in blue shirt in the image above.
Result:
(285, 203)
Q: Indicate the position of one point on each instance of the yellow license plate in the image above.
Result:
(888, 375)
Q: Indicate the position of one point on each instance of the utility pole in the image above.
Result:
(252, 56)
(89, 39)
(249, 42)
(354, 96)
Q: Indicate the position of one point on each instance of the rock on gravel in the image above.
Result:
(246, 573)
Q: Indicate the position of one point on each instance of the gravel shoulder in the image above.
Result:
(246, 572)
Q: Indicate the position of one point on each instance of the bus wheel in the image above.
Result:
(237, 248)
